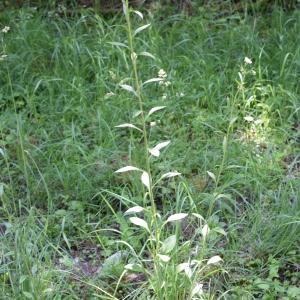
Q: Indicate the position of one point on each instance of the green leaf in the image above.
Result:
(177, 217)
(28, 295)
(118, 44)
(128, 88)
(294, 292)
(141, 29)
(168, 244)
(263, 285)
(139, 222)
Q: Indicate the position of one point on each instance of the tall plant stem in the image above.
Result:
(141, 106)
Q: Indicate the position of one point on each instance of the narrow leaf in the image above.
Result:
(146, 179)
(162, 145)
(128, 125)
(154, 109)
(128, 88)
(212, 175)
(138, 13)
(214, 260)
(177, 217)
(170, 174)
(198, 216)
(1, 189)
(118, 44)
(153, 80)
(135, 209)
(147, 54)
(141, 29)
(127, 168)
(137, 113)
(139, 222)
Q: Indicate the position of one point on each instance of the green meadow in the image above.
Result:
(203, 110)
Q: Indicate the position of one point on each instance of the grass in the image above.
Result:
(234, 132)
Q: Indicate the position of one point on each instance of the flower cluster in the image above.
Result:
(163, 76)
(6, 29)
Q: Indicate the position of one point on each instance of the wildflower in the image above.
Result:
(247, 61)
(152, 124)
(5, 29)
(164, 97)
(162, 74)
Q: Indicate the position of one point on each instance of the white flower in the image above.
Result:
(5, 29)
(152, 124)
(247, 61)
(162, 74)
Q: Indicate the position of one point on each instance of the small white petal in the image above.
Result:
(247, 61)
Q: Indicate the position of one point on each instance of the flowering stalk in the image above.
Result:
(138, 89)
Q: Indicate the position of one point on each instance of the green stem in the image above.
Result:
(141, 107)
